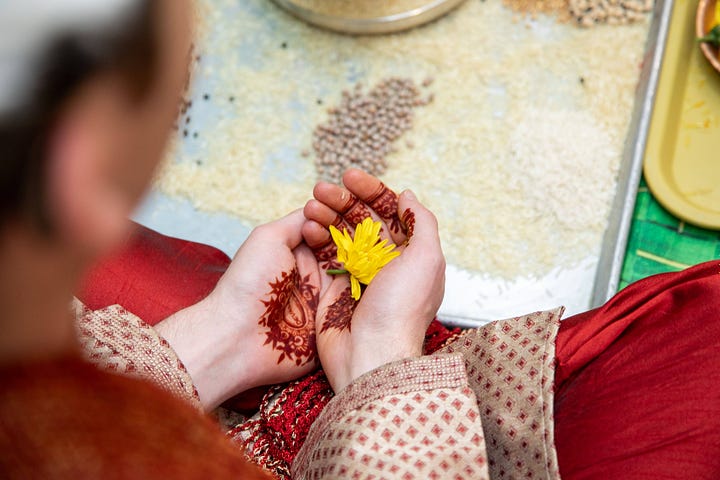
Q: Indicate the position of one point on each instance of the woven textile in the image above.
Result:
(115, 340)
(510, 366)
(660, 242)
(414, 418)
(481, 407)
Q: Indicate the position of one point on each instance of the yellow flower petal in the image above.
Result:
(363, 255)
(354, 288)
(343, 241)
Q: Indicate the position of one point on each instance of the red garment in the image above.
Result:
(154, 276)
(65, 420)
(638, 382)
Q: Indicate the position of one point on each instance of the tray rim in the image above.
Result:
(614, 244)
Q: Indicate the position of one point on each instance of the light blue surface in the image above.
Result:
(178, 218)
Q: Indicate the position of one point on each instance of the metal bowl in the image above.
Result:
(425, 11)
(704, 21)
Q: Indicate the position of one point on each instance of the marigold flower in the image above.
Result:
(364, 255)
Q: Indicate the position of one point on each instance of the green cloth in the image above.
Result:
(660, 242)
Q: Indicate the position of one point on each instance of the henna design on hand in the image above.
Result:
(326, 255)
(339, 222)
(339, 314)
(385, 204)
(355, 211)
(408, 219)
(289, 317)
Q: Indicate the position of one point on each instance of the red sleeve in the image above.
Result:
(153, 275)
(638, 382)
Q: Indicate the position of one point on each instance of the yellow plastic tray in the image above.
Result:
(682, 157)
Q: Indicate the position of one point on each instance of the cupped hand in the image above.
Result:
(389, 321)
(257, 326)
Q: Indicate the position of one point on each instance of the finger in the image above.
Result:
(308, 271)
(422, 228)
(320, 243)
(315, 234)
(378, 197)
(332, 200)
(343, 202)
(306, 263)
(286, 230)
(319, 212)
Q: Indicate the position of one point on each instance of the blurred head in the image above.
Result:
(89, 92)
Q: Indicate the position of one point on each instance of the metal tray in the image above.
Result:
(615, 240)
(378, 25)
(179, 218)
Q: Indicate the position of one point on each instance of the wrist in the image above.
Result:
(212, 349)
(378, 354)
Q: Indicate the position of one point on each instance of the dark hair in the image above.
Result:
(71, 60)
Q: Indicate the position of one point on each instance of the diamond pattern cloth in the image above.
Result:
(274, 435)
(115, 340)
(511, 366)
(480, 408)
(410, 419)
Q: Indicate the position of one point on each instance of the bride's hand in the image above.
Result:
(257, 326)
(390, 319)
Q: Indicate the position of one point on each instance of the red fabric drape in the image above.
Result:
(65, 420)
(154, 276)
(638, 382)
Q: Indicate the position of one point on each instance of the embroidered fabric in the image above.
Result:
(481, 407)
(115, 340)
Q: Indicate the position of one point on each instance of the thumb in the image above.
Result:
(285, 231)
(421, 224)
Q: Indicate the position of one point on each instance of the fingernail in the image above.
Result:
(409, 195)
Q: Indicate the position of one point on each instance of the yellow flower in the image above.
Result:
(364, 255)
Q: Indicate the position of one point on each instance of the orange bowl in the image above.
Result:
(704, 22)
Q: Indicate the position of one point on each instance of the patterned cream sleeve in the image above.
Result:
(115, 340)
(481, 407)
(413, 419)
(511, 366)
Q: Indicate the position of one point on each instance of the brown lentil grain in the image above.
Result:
(585, 13)
(360, 132)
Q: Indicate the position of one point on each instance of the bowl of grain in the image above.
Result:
(363, 17)
(707, 29)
